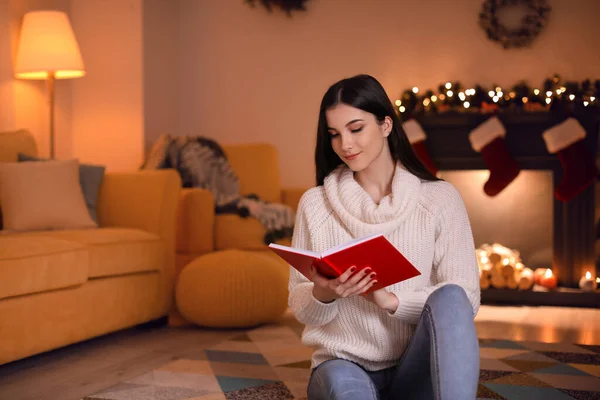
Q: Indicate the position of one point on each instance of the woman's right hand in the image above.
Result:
(327, 290)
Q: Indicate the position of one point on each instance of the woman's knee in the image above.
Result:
(450, 297)
(340, 379)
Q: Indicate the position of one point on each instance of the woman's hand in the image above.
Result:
(327, 290)
(383, 299)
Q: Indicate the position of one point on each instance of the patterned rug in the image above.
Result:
(271, 363)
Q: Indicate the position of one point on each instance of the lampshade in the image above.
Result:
(47, 44)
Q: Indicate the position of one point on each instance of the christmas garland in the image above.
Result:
(553, 95)
(286, 5)
(532, 23)
(566, 138)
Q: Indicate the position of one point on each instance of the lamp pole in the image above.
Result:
(51, 78)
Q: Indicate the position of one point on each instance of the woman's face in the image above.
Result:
(356, 135)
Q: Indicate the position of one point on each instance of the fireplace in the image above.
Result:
(525, 216)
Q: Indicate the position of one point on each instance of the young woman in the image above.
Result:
(412, 340)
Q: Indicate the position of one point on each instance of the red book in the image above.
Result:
(373, 251)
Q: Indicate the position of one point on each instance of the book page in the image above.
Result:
(295, 250)
(350, 243)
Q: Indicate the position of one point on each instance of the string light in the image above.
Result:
(516, 97)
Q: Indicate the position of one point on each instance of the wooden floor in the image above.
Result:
(540, 324)
(85, 368)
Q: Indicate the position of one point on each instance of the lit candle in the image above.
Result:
(538, 274)
(549, 280)
(586, 283)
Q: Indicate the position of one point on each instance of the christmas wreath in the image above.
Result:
(532, 23)
(286, 5)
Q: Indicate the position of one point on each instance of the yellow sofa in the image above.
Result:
(200, 231)
(64, 286)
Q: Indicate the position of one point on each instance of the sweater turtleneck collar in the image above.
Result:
(357, 210)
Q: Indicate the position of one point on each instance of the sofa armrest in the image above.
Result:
(145, 200)
(196, 221)
(291, 196)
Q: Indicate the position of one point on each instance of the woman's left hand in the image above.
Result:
(383, 299)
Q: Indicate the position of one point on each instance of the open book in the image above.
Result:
(373, 251)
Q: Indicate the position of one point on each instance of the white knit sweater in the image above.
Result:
(426, 221)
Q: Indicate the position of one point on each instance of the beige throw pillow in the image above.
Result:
(42, 195)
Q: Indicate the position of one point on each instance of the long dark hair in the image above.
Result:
(366, 93)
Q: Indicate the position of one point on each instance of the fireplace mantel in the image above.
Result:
(574, 232)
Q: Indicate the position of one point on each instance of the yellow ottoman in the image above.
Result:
(233, 289)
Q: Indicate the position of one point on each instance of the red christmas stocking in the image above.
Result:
(488, 139)
(416, 137)
(579, 169)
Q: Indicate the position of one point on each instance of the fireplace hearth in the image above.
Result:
(572, 243)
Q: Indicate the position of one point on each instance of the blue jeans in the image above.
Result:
(440, 363)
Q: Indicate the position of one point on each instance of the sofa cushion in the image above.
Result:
(31, 264)
(257, 168)
(235, 232)
(90, 179)
(38, 196)
(116, 251)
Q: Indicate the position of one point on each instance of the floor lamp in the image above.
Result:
(48, 50)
